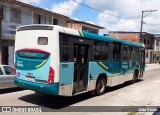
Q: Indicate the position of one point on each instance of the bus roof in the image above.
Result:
(82, 33)
(106, 38)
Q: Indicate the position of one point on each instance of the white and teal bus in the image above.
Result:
(62, 61)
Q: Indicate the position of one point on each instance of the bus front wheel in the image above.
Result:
(100, 86)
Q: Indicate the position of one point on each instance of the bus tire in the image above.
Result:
(134, 77)
(100, 86)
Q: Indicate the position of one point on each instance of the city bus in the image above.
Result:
(61, 61)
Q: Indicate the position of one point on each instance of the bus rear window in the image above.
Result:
(42, 41)
(33, 55)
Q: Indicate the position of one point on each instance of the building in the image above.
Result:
(17, 13)
(84, 26)
(157, 48)
(147, 39)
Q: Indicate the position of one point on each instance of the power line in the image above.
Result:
(103, 11)
(152, 26)
(67, 9)
(113, 14)
(142, 7)
(150, 29)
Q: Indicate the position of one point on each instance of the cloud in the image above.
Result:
(66, 7)
(32, 1)
(130, 9)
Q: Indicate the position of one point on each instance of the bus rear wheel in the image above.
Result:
(100, 86)
(135, 76)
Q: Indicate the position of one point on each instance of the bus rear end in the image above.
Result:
(34, 69)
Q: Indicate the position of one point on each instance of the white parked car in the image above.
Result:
(6, 77)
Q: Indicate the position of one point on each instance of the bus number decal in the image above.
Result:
(64, 65)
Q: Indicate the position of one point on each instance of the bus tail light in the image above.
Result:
(51, 76)
(14, 70)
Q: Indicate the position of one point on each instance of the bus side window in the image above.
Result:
(124, 53)
(132, 52)
(137, 54)
(64, 47)
(127, 52)
(105, 52)
(97, 51)
(101, 51)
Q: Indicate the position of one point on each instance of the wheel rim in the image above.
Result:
(100, 86)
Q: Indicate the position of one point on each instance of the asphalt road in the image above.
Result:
(141, 93)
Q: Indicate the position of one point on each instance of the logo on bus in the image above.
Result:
(20, 63)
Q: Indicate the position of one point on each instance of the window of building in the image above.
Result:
(157, 43)
(148, 41)
(144, 41)
(50, 20)
(101, 51)
(44, 20)
(37, 19)
(15, 15)
(3, 12)
(55, 21)
(116, 51)
(88, 29)
(147, 54)
(64, 47)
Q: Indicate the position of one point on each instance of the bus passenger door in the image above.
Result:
(80, 80)
(116, 58)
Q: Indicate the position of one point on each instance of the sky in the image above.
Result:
(128, 13)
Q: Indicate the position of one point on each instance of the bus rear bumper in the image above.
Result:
(52, 89)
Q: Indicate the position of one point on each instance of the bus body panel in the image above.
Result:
(30, 65)
(66, 78)
(31, 68)
(37, 68)
(97, 68)
(40, 87)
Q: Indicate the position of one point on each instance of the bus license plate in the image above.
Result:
(30, 79)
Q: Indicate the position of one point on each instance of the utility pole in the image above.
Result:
(142, 22)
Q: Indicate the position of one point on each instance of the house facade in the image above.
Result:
(147, 39)
(157, 48)
(84, 26)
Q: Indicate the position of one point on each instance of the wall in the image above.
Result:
(147, 59)
(73, 25)
(125, 36)
(11, 56)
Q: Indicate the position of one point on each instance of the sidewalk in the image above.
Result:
(152, 66)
